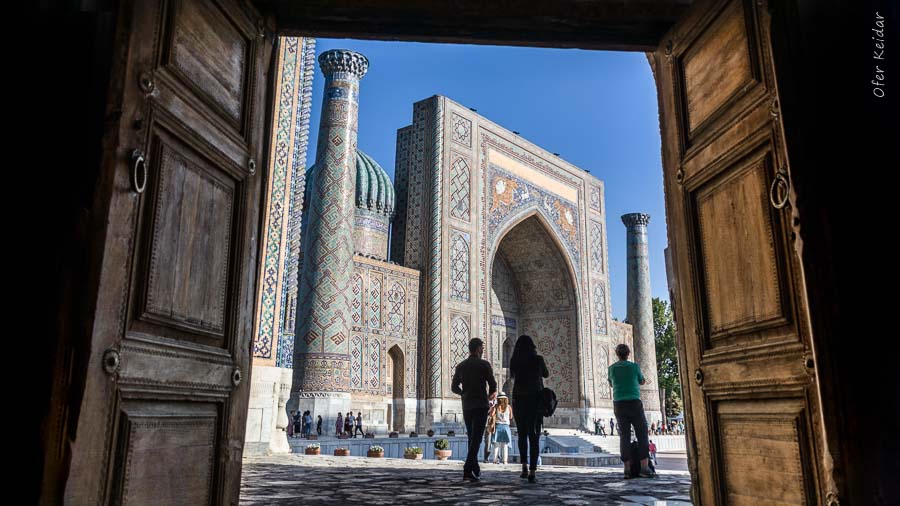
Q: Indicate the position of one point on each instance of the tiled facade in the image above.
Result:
(491, 237)
(510, 239)
(276, 303)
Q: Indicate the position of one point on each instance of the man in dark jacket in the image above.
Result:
(474, 382)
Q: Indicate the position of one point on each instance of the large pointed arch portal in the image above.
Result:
(533, 292)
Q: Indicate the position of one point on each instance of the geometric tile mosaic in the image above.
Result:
(277, 225)
(459, 189)
(396, 300)
(375, 302)
(356, 361)
(461, 130)
(596, 235)
(356, 308)
(599, 308)
(459, 339)
(595, 198)
(374, 359)
(459, 266)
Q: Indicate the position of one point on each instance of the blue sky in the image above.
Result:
(597, 109)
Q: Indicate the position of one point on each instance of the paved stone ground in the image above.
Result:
(296, 479)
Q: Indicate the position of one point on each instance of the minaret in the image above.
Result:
(640, 309)
(322, 352)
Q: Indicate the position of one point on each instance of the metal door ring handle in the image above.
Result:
(779, 191)
(138, 161)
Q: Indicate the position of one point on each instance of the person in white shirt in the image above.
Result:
(502, 434)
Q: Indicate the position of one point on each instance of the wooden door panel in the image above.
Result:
(771, 438)
(709, 87)
(720, 72)
(743, 343)
(198, 30)
(740, 252)
(191, 229)
(166, 443)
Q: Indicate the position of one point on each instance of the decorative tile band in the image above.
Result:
(503, 321)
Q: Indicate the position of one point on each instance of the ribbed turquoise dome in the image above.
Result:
(374, 190)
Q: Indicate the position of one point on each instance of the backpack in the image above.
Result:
(548, 401)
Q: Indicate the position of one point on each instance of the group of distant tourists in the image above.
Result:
(301, 424)
(664, 429)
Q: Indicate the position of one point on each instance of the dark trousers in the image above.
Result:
(359, 429)
(528, 421)
(475, 419)
(631, 414)
(319, 429)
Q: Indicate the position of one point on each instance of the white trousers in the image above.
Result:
(501, 450)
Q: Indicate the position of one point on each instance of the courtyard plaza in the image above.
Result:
(296, 478)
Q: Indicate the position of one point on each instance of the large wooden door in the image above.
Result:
(176, 217)
(747, 362)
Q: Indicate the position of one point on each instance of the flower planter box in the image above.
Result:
(443, 454)
(451, 433)
(413, 434)
(412, 456)
(369, 435)
(312, 436)
(343, 436)
(374, 455)
(393, 435)
(338, 452)
(313, 451)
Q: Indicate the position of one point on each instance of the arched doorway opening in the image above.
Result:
(533, 293)
(396, 413)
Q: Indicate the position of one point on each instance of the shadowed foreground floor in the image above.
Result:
(296, 479)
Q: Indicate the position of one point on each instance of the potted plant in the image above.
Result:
(312, 449)
(430, 433)
(394, 434)
(413, 434)
(451, 433)
(375, 451)
(442, 449)
(369, 435)
(413, 453)
(342, 452)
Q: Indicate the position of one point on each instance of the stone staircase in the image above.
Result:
(569, 441)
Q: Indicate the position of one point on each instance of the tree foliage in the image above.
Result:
(666, 356)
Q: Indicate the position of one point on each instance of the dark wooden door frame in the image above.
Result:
(813, 38)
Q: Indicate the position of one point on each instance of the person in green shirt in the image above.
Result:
(625, 378)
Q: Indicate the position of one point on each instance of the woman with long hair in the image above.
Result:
(527, 369)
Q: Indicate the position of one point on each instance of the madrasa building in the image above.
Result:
(482, 234)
